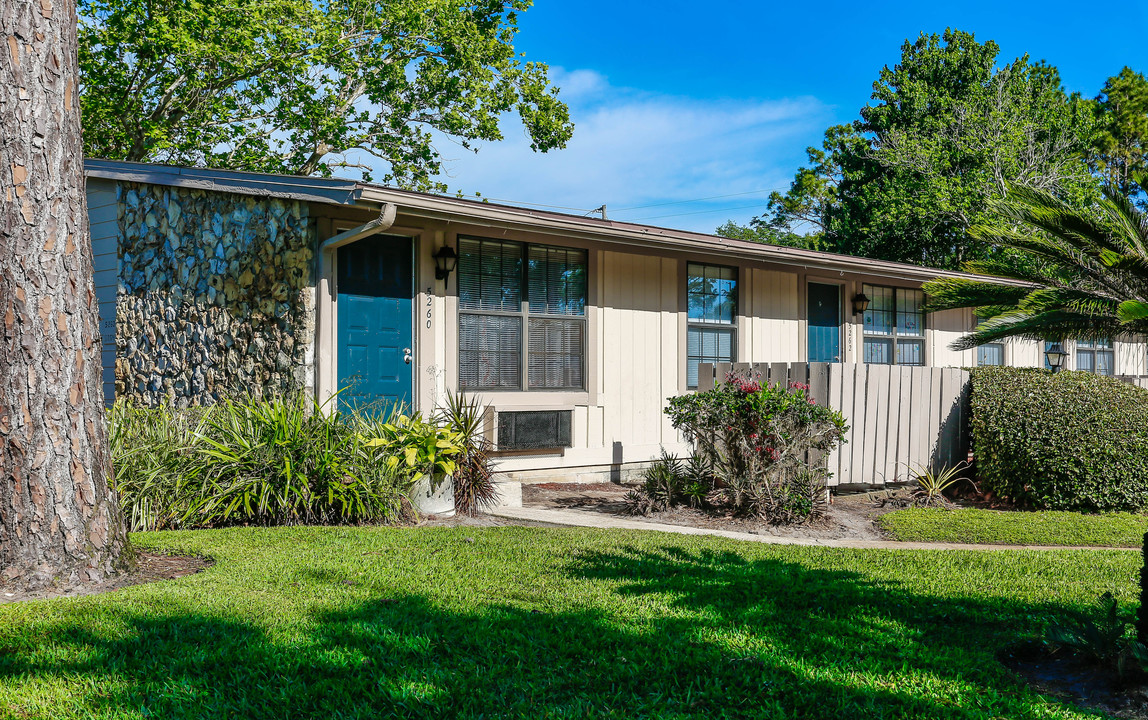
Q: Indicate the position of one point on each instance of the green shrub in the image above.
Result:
(277, 461)
(755, 442)
(1064, 441)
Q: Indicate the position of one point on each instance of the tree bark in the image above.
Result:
(59, 523)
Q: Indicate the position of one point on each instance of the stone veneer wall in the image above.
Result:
(216, 295)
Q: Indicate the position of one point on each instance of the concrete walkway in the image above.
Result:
(574, 518)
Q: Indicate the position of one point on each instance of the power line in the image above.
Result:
(524, 202)
(712, 197)
(697, 212)
(599, 209)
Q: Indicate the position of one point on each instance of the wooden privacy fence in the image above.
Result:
(901, 418)
(1137, 380)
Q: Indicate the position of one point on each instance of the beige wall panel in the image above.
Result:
(640, 363)
(773, 317)
(944, 328)
(1024, 353)
(1130, 358)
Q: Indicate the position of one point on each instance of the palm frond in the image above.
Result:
(952, 293)
(1044, 326)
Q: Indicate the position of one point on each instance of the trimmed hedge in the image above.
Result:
(1069, 441)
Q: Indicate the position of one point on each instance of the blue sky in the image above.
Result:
(671, 105)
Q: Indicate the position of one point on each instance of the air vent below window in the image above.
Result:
(534, 429)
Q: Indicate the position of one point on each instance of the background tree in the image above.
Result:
(58, 522)
(945, 133)
(1075, 271)
(304, 86)
(1120, 146)
(764, 233)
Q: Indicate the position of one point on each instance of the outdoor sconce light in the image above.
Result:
(860, 304)
(445, 260)
(1054, 355)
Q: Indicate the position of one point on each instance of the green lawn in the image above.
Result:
(547, 623)
(972, 525)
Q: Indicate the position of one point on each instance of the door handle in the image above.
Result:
(407, 356)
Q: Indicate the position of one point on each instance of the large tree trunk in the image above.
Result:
(59, 524)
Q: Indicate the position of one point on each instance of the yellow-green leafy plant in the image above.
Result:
(410, 446)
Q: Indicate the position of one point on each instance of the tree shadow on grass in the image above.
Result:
(758, 638)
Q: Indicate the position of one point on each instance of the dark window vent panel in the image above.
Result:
(534, 429)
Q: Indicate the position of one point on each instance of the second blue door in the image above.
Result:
(824, 322)
(376, 287)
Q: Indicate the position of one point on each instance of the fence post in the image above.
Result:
(705, 376)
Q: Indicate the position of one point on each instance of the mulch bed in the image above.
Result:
(1064, 676)
(849, 517)
(149, 568)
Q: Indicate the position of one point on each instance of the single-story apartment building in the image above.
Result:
(574, 329)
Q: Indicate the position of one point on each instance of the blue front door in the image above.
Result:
(824, 323)
(375, 286)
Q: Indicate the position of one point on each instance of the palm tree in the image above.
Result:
(1065, 271)
(1073, 272)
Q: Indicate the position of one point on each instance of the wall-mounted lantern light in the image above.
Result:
(445, 260)
(1055, 356)
(860, 303)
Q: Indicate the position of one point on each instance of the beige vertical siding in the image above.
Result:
(944, 328)
(641, 362)
(771, 327)
(1024, 353)
(1130, 358)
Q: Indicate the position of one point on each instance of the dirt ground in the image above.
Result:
(149, 568)
(1069, 679)
(850, 516)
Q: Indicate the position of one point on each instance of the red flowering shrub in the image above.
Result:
(756, 441)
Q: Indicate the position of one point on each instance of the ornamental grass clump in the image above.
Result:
(753, 443)
(275, 461)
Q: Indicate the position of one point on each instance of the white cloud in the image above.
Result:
(633, 148)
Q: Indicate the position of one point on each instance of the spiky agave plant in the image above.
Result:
(473, 476)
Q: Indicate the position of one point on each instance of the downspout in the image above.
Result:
(325, 297)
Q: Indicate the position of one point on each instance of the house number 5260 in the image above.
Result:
(430, 302)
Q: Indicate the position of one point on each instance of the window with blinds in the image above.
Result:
(989, 353)
(894, 326)
(711, 302)
(1096, 356)
(522, 316)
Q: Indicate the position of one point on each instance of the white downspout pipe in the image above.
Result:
(325, 330)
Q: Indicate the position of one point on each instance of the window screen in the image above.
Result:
(507, 290)
(990, 354)
(711, 302)
(894, 326)
(1096, 356)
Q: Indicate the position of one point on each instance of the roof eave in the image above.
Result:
(303, 189)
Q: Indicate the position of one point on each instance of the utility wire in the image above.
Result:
(683, 202)
(584, 211)
(696, 212)
(524, 202)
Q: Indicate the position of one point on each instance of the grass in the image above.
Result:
(300, 622)
(973, 525)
